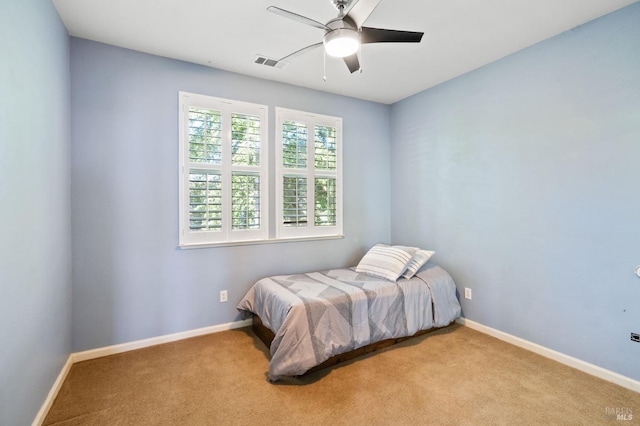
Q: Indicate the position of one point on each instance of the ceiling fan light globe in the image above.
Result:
(342, 42)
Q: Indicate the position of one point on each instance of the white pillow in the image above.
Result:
(385, 261)
(417, 261)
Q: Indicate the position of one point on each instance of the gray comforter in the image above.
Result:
(317, 315)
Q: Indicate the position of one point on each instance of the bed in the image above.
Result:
(310, 319)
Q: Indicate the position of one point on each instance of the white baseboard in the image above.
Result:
(594, 370)
(139, 344)
(125, 347)
(48, 402)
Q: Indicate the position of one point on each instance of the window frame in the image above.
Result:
(310, 172)
(227, 235)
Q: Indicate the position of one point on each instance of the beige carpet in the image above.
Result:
(455, 376)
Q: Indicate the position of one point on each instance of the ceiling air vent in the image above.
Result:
(269, 62)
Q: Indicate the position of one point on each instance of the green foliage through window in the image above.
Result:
(205, 143)
(294, 145)
(325, 148)
(245, 202)
(205, 201)
(325, 202)
(245, 140)
(294, 201)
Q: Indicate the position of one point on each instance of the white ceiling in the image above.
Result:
(460, 35)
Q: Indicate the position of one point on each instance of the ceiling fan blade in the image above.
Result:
(352, 62)
(361, 10)
(296, 17)
(300, 52)
(380, 35)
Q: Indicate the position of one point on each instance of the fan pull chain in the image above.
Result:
(324, 65)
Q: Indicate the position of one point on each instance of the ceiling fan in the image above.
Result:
(345, 34)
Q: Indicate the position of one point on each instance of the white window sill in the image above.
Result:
(254, 242)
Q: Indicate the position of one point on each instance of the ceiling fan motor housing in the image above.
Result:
(342, 39)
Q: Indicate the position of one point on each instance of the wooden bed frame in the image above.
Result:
(267, 336)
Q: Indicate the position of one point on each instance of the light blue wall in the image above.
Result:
(524, 177)
(35, 230)
(130, 281)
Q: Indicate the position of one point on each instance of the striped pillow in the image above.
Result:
(385, 261)
(417, 261)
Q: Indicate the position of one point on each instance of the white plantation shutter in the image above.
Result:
(223, 167)
(308, 174)
(294, 145)
(294, 201)
(223, 170)
(326, 195)
(205, 135)
(205, 200)
(245, 201)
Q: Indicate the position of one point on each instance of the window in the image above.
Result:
(223, 170)
(308, 174)
(225, 195)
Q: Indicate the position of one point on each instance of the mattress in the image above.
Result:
(317, 315)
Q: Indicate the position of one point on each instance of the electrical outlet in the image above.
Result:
(635, 337)
(467, 293)
(223, 296)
